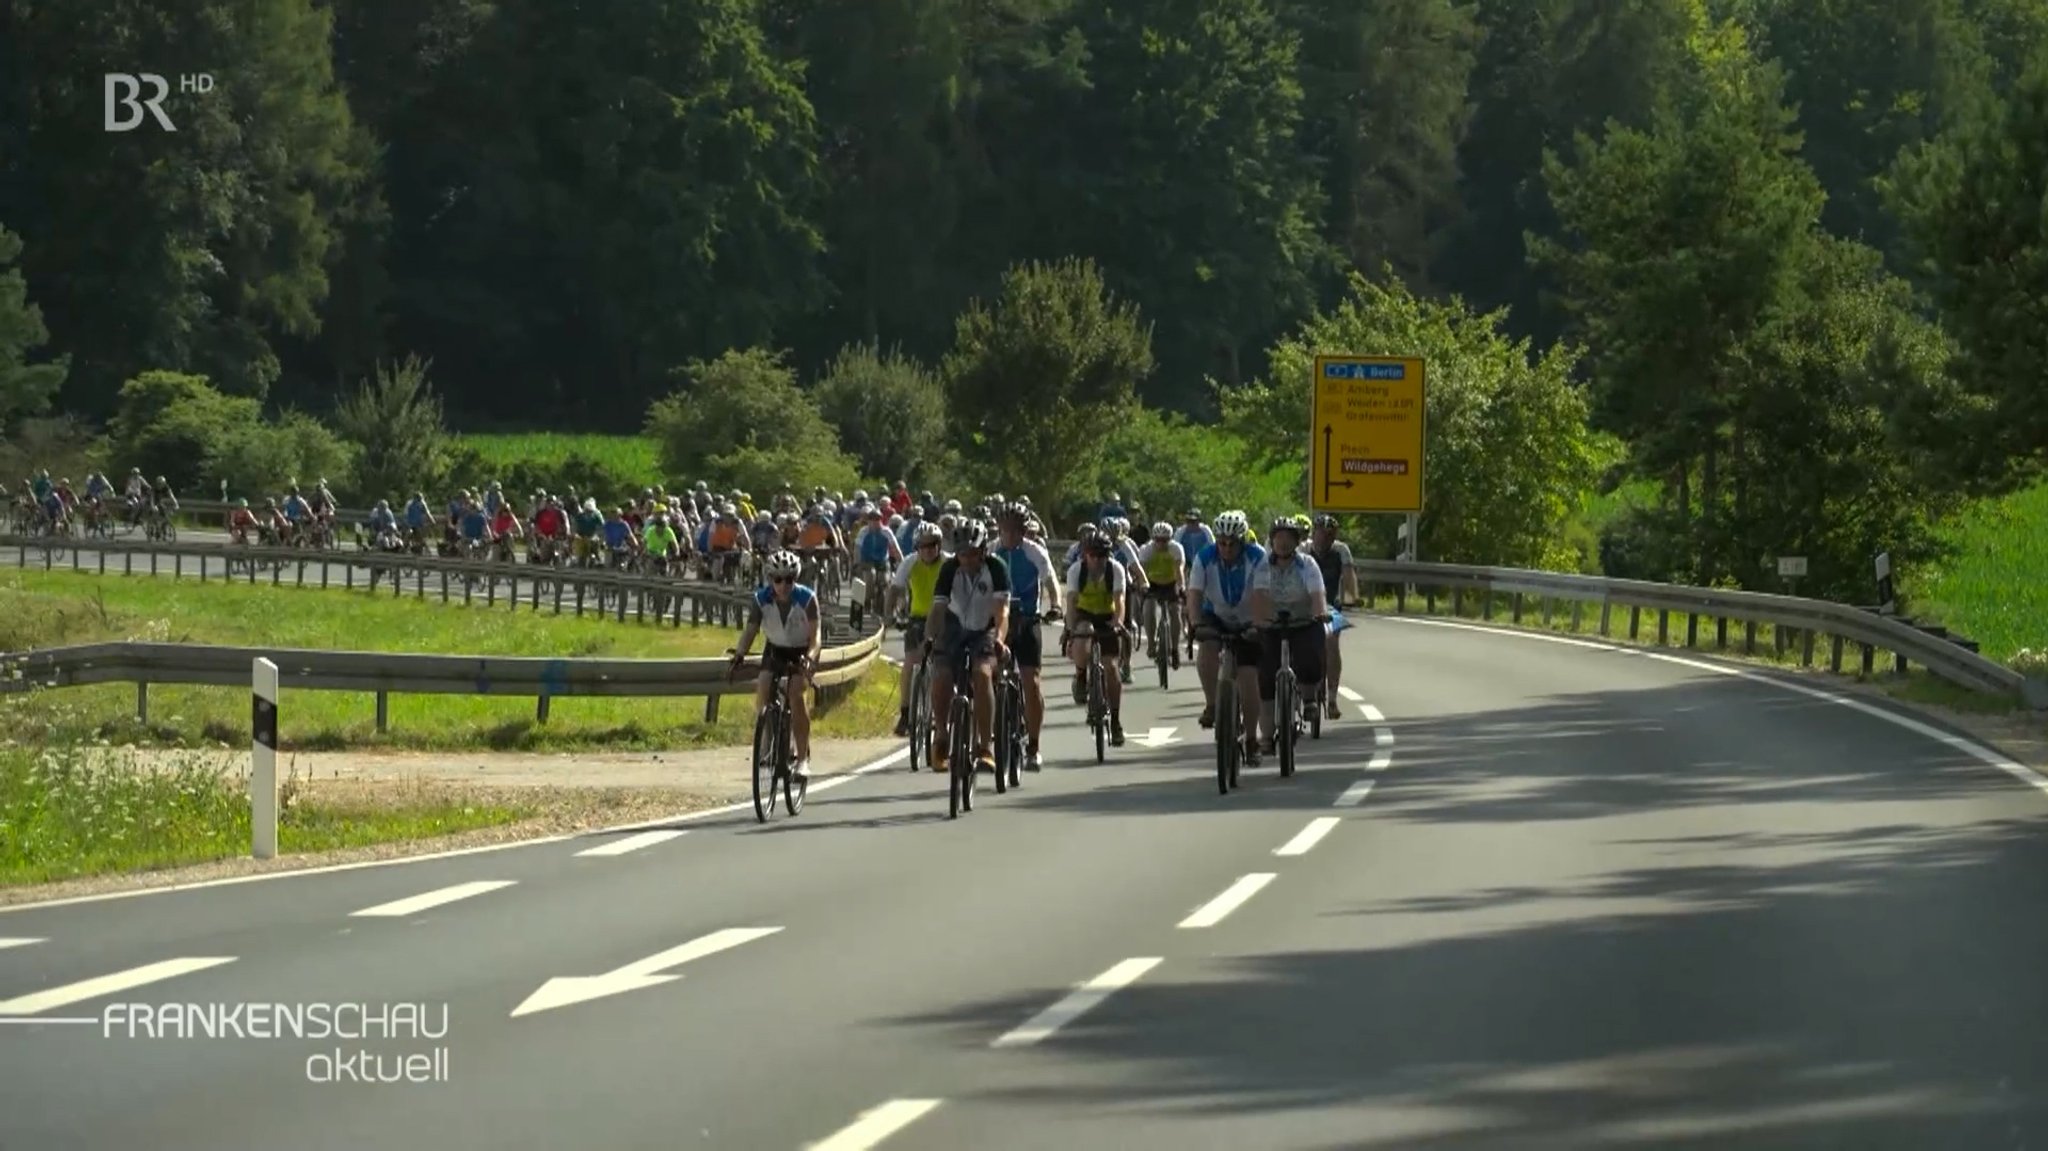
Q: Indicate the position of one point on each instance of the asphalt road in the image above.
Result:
(1590, 899)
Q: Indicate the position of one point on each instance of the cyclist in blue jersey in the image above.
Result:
(1219, 595)
(618, 537)
(476, 528)
(1030, 569)
(417, 513)
(1194, 535)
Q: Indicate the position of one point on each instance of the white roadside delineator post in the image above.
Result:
(263, 759)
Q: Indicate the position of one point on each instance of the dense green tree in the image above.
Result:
(192, 249)
(741, 421)
(1508, 454)
(1036, 379)
(25, 387)
(394, 419)
(1972, 202)
(889, 411)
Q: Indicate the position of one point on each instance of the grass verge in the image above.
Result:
(42, 609)
(1995, 589)
(67, 812)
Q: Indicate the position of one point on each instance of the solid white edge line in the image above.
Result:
(1076, 1003)
(632, 843)
(1309, 836)
(1984, 754)
(897, 756)
(1381, 760)
(428, 900)
(1233, 897)
(876, 1124)
(7, 943)
(1355, 794)
(1349, 695)
(109, 984)
(1371, 713)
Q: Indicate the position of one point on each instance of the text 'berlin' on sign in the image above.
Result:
(1366, 434)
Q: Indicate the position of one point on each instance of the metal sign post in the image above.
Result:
(263, 760)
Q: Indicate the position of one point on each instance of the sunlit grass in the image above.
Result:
(626, 455)
(1995, 590)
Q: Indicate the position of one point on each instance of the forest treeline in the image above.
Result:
(1782, 259)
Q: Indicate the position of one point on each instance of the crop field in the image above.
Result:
(627, 455)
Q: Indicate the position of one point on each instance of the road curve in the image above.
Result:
(1556, 898)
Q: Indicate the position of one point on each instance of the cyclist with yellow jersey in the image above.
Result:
(661, 543)
(1165, 566)
(914, 580)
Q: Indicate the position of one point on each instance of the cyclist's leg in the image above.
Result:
(1249, 661)
(1333, 662)
(1113, 686)
(1308, 664)
(800, 718)
(764, 682)
(942, 686)
(1027, 643)
(913, 650)
(1208, 662)
(983, 665)
(1077, 653)
(1269, 680)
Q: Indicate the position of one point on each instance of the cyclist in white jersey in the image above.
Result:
(785, 612)
(1288, 581)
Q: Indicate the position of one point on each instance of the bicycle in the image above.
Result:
(920, 713)
(960, 771)
(1166, 636)
(774, 753)
(1234, 748)
(1289, 717)
(1097, 701)
(1011, 738)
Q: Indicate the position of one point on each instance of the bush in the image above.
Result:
(742, 421)
(887, 410)
(395, 422)
(178, 426)
(589, 475)
(64, 444)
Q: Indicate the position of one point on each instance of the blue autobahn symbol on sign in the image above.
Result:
(1365, 371)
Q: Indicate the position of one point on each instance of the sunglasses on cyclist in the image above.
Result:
(783, 580)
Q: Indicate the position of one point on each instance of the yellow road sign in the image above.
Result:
(1366, 438)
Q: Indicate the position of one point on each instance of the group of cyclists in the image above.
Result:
(971, 588)
(50, 507)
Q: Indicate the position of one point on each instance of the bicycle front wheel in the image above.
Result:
(1001, 730)
(1286, 717)
(920, 719)
(1226, 730)
(765, 743)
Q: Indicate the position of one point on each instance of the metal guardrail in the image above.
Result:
(1793, 619)
(843, 659)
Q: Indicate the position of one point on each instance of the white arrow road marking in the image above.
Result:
(1077, 1003)
(432, 899)
(1156, 737)
(639, 975)
(632, 843)
(7, 943)
(40, 1001)
(876, 1124)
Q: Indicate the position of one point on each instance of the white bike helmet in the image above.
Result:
(928, 532)
(782, 563)
(969, 534)
(1162, 530)
(1232, 526)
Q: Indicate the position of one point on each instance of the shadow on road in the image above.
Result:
(1875, 989)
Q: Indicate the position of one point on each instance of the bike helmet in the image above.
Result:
(1162, 530)
(1019, 511)
(953, 507)
(1326, 523)
(782, 563)
(1286, 524)
(1096, 546)
(860, 495)
(1086, 532)
(969, 535)
(1232, 526)
(928, 532)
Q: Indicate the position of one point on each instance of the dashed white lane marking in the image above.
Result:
(1077, 1003)
(7, 943)
(876, 1124)
(1381, 760)
(1986, 755)
(1355, 794)
(632, 843)
(1211, 913)
(1350, 695)
(1371, 713)
(435, 898)
(1309, 836)
(83, 990)
(1383, 736)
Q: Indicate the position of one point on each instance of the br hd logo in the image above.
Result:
(124, 107)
